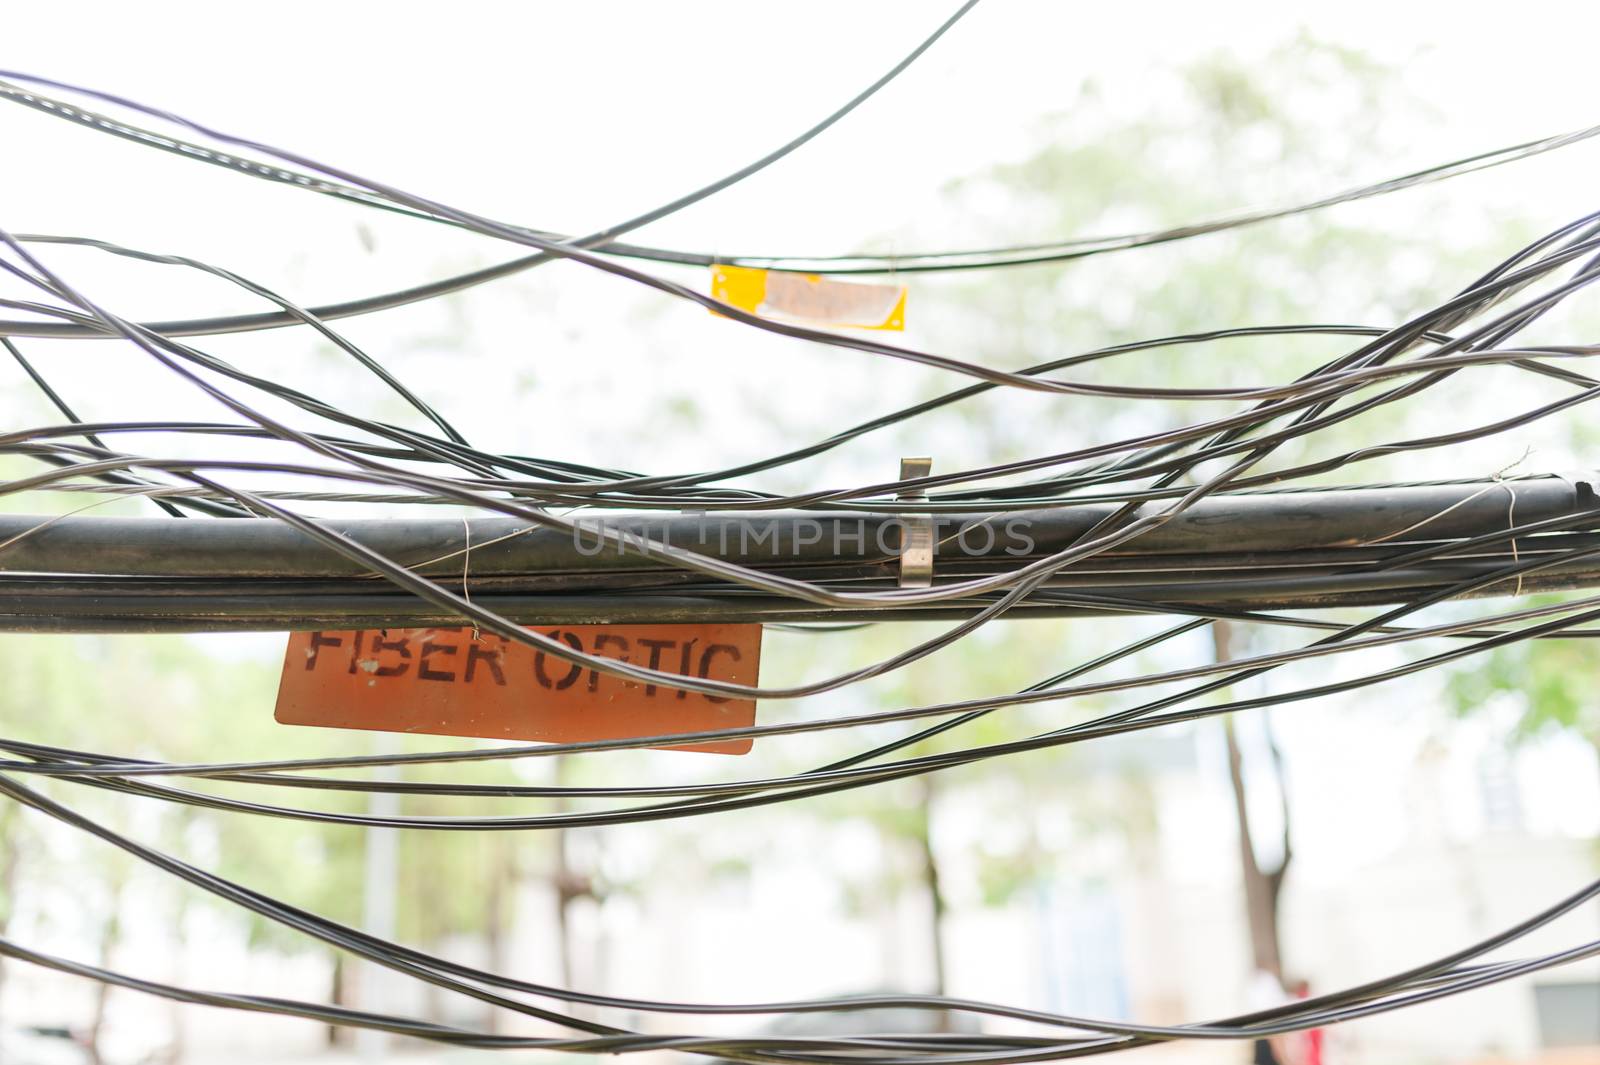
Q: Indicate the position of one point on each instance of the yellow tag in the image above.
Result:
(810, 298)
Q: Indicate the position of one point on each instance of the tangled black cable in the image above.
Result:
(1159, 523)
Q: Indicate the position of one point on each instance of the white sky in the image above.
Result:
(574, 115)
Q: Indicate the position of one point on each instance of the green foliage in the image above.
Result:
(166, 697)
(1304, 121)
(1547, 680)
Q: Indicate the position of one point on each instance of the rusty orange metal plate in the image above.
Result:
(448, 682)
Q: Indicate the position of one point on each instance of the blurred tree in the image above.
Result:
(1263, 882)
(177, 699)
(1545, 680)
(1229, 136)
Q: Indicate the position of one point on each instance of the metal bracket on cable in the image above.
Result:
(916, 530)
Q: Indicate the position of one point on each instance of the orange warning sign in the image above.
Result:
(448, 682)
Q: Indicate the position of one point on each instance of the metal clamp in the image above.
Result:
(916, 530)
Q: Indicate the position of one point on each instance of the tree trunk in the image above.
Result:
(173, 1052)
(501, 922)
(110, 936)
(10, 848)
(570, 886)
(339, 995)
(931, 884)
(1263, 887)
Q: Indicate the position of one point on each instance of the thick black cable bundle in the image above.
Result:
(1122, 516)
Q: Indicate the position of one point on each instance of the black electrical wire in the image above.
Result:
(1019, 255)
